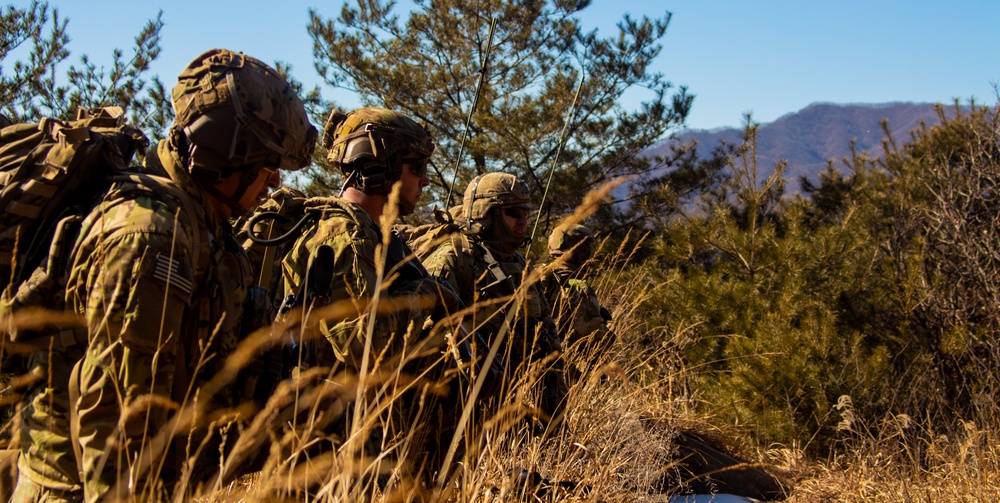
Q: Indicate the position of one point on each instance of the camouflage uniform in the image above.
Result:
(578, 314)
(352, 235)
(576, 309)
(337, 260)
(159, 280)
(461, 262)
(136, 262)
(485, 268)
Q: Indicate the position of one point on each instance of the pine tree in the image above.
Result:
(427, 64)
(30, 86)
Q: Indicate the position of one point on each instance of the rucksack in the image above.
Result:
(51, 172)
(423, 239)
(275, 217)
(49, 169)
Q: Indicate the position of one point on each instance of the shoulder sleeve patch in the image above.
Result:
(174, 274)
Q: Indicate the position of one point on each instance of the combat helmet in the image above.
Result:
(365, 144)
(235, 113)
(493, 190)
(576, 238)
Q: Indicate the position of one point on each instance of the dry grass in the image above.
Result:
(904, 462)
(612, 444)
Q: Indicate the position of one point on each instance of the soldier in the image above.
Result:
(483, 265)
(579, 316)
(160, 281)
(339, 258)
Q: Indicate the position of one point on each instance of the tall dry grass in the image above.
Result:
(313, 439)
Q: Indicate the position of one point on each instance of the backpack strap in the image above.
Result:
(500, 279)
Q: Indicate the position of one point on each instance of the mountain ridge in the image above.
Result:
(821, 131)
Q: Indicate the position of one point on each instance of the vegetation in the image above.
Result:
(33, 49)
(548, 89)
(845, 336)
(869, 297)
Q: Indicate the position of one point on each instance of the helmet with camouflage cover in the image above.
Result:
(365, 145)
(235, 113)
(493, 190)
(575, 238)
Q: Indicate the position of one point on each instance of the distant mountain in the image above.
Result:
(808, 138)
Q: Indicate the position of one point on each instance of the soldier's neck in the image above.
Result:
(373, 204)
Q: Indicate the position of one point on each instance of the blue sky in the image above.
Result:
(768, 57)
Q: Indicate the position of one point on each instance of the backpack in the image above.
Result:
(50, 168)
(51, 173)
(423, 239)
(275, 217)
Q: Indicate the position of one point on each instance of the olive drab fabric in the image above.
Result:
(156, 277)
(481, 263)
(492, 284)
(576, 240)
(575, 308)
(289, 203)
(580, 319)
(239, 112)
(50, 172)
(160, 288)
(371, 133)
(423, 239)
(235, 114)
(463, 263)
(493, 190)
(186, 289)
(364, 145)
(577, 312)
(351, 235)
(336, 262)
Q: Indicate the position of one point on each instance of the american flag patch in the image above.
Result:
(174, 274)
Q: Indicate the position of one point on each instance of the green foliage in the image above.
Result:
(427, 64)
(20, 85)
(881, 287)
(30, 89)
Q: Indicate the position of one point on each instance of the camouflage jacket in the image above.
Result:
(463, 262)
(343, 248)
(160, 281)
(575, 308)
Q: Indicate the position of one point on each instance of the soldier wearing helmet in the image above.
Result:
(579, 316)
(483, 265)
(383, 156)
(159, 282)
(374, 148)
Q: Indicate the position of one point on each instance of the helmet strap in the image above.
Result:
(467, 212)
(348, 181)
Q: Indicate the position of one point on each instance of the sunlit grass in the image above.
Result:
(312, 440)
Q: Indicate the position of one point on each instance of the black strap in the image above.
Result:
(500, 278)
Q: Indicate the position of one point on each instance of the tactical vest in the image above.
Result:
(496, 279)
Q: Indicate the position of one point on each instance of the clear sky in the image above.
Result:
(768, 57)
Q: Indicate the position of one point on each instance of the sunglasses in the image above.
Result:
(418, 165)
(515, 213)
